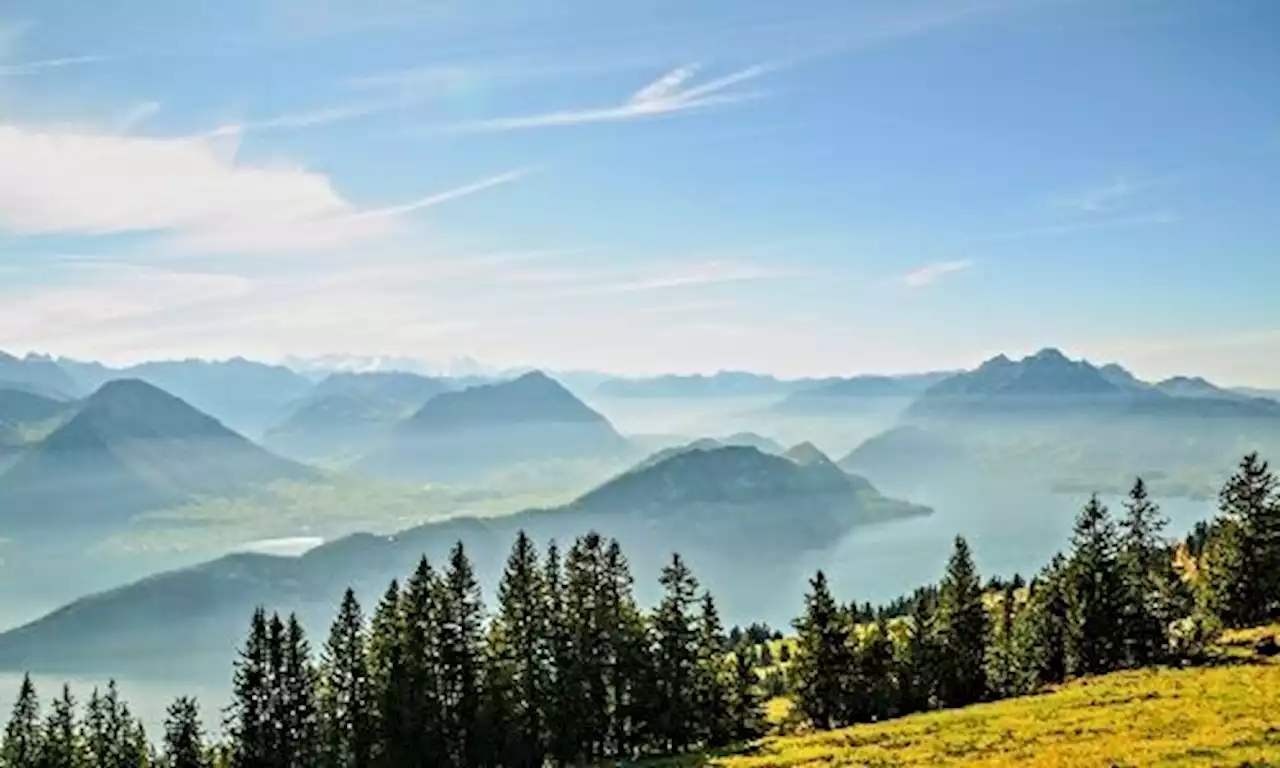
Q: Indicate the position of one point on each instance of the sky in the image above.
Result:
(816, 187)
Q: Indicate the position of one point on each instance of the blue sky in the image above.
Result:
(810, 187)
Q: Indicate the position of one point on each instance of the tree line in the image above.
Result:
(1122, 597)
(567, 669)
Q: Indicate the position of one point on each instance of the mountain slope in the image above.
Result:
(37, 374)
(466, 433)
(712, 505)
(130, 448)
(857, 395)
(347, 412)
(1067, 423)
(723, 384)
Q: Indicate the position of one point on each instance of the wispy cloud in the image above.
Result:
(668, 95)
(932, 273)
(192, 192)
(1097, 199)
(35, 67)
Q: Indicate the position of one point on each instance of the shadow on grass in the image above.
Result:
(695, 759)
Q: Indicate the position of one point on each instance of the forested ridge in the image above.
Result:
(568, 669)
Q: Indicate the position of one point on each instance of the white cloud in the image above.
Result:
(1099, 199)
(192, 191)
(932, 273)
(41, 65)
(665, 96)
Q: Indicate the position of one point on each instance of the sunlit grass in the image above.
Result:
(1226, 715)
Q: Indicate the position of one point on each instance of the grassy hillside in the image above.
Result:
(1223, 715)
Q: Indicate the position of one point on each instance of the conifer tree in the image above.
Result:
(746, 705)
(876, 670)
(711, 687)
(426, 747)
(521, 654)
(1244, 560)
(22, 738)
(561, 745)
(249, 715)
(822, 661)
(1145, 564)
(388, 679)
(300, 712)
(675, 651)
(918, 659)
(1046, 625)
(460, 615)
(628, 662)
(345, 698)
(61, 745)
(1095, 594)
(962, 631)
(1004, 676)
(183, 736)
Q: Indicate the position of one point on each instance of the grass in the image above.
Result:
(1222, 715)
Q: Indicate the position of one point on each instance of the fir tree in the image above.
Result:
(22, 738)
(675, 651)
(1244, 572)
(918, 660)
(628, 663)
(711, 688)
(521, 655)
(1004, 677)
(388, 680)
(746, 705)
(183, 737)
(426, 746)
(249, 715)
(300, 713)
(1046, 626)
(1095, 595)
(561, 745)
(822, 662)
(1145, 566)
(61, 745)
(962, 631)
(876, 671)
(460, 615)
(345, 697)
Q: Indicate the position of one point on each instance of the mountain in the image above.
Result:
(744, 520)
(860, 394)
(23, 407)
(130, 448)
(1069, 424)
(347, 413)
(37, 374)
(738, 439)
(723, 384)
(456, 435)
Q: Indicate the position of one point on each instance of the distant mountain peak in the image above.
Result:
(807, 453)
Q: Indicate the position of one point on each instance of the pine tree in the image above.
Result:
(249, 715)
(1046, 626)
(876, 671)
(675, 652)
(822, 660)
(60, 743)
(183, 737)
(627, 659)
(561, 746)
(711, 688)
(746, 705)
(426, 747)
(387, 680)
(345, 701)
(1004, 678)
(521, 655)
(460, 615)
(962, 631)
(300, 713)
(22, 738)
(1095, 595)
(1244, 571)
(918, 659)
(1145, 565)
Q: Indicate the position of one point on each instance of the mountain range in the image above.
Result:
(1068, 422)
(129, 448)
(713, 505)
(463, 434)
(857, 395)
